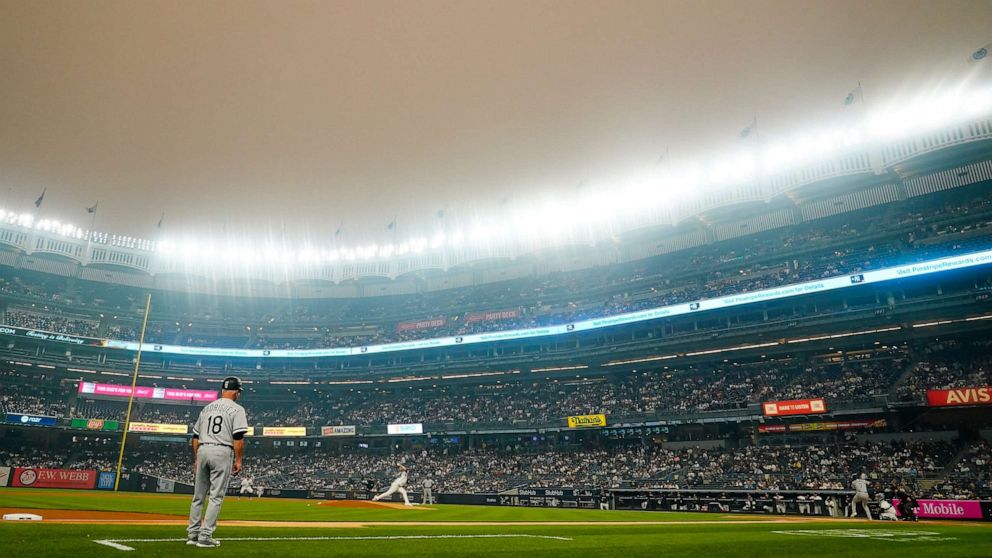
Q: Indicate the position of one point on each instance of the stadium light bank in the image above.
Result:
(595, 215)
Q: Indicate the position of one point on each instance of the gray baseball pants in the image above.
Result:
(213, 472)
(860, 498)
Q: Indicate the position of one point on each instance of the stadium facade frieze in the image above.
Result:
(867, 413)
(101, 254)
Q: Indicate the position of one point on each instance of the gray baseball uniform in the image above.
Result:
(428, 491)
(399, 485)
(218, 423)
(860, 487)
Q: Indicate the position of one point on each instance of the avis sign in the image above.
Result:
(794, 407)
(959, 397)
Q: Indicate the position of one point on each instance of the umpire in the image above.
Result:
(218, 446)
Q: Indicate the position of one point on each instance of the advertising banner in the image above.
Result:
(822, 426)
(4, 476)
(794, 407)
(961, 261)
(105, 481)
(95, 424)
(54, 478)
(142, 392)
(959, 397)
(31, 420)
(156, 428)
(337, 431)
(50, 336)
(587, 421)
(947, 509)
(284, 431)
(491, 316)
(167, 486)
(405, 428)
(432, 323)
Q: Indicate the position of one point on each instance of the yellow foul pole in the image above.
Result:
(134, 383)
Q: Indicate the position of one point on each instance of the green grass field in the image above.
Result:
(591, 533)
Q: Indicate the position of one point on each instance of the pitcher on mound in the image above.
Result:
(399, 485)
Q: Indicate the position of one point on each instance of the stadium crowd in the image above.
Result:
(949, 364)
(697, 389)
(900, 233)
(809, 464)
(52, 322)
(906, 373)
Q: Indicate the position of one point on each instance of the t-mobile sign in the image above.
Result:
(142, 392)
(948, 509)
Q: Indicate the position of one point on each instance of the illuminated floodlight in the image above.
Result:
(852, 137)
(685, 184)
(418, 245)
(190, 250)
(480, 234)
(591, 208)
(978, 102)
(776, 159)
(595, 211)
(308, 256)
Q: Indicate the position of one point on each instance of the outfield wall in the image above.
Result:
(784, 502)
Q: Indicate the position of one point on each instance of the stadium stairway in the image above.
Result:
(908, 367)
(952, 464)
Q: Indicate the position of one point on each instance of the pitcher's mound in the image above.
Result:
(367, 504)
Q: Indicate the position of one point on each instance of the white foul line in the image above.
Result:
(115, 543)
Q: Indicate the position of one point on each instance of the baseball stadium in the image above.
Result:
(370, 320)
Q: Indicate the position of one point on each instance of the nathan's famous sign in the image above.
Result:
(587, 421)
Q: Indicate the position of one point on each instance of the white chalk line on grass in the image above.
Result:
(116, 543)
(897, 536)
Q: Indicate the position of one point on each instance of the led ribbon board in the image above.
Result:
(928, 267)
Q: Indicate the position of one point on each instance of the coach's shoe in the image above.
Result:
(207, 543)
(191, 540)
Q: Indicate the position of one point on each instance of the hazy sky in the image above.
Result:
(244, 113)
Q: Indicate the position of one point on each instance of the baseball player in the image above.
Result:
(907, 504)
(428, 491)
(246, 488)
(218, 446)
(803, 504)
(399, 485)
(860, 486)
(886, 511)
